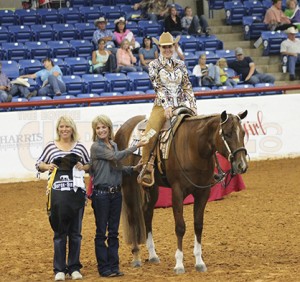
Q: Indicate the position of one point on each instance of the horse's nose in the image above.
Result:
(242, 167)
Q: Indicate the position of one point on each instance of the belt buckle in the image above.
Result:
(112, 189)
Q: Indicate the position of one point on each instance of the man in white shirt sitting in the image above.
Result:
(291, 48)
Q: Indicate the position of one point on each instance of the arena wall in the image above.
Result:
(272, 128)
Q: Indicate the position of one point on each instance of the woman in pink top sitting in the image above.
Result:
(121, 33)
(125, 59)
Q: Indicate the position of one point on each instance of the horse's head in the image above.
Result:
(232, 141)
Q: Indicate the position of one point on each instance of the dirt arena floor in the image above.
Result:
(252, 235)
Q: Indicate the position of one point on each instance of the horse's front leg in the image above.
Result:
(177, 203)
(200, 200)
(136, 260)
(148, 215)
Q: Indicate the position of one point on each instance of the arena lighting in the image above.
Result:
(88, 101)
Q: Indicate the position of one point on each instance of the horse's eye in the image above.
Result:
(228, 135)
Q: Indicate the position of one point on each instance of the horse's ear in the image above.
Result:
(243, 114)
(223, 116)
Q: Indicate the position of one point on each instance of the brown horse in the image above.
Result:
(189, 169)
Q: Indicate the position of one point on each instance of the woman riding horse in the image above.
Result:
(173, 88)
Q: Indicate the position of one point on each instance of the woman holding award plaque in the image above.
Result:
(173, 89)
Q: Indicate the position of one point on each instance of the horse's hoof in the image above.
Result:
(179, 270)
(201, 268)
(154, 260)
(136, 263)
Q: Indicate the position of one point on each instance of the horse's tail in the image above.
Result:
(133, 195)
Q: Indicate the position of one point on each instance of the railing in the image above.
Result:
(89, 101)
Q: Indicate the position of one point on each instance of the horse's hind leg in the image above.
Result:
(199, 206)
(148, 215)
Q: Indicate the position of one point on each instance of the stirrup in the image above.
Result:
(146, 176)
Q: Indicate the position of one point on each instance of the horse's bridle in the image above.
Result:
(231, 155)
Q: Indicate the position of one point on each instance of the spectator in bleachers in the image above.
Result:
(293, 12)
(4, 86)
(51, 77)
(126, 61)
(147, 53)
(121, 33)
(153, 10)
(291, 48)
(173, 22)
(208, 74)
(275, 18)
(194, 24)
(224, 78)
(245, 67)
(8, 89)
(178, 53)
(103, 60)
(102, 33)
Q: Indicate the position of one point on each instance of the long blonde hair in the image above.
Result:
(70, 122)
(107, 122)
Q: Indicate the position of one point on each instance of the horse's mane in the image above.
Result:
(201, 117)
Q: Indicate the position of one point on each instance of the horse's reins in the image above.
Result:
(224, 174)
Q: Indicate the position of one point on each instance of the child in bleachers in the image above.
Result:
(225, 80)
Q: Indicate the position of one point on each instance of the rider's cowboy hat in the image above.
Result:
(292, 30)
(166, 38)
(120, 20)
(100, 20)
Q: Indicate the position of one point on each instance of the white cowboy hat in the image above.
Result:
(292, 30)
(20, 81)
(121, 19)
(100, 20)
(166, 38)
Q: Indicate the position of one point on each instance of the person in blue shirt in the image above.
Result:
(51, 77)
(102, 33)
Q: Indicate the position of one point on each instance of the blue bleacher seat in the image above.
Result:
(8, 17)
(65, 97)
(112, 94)
(150, 91)
(229, 55)
(226, 95)
(271, 41)
(62, 65)
(235, 11)
(127, 9)
(65, 31)
(90, 14)
(190, 59)
(86, 96)
(79, 3)
(60, 49)
(14, 51)
(19, 99)
(203, 89)
(133, 27)
(86, 30)
(29, 66)
(42, 98)
(133, 93)
(267, 92)
(118, 82)
(214, 5)
(230, 72)
(10, 68)
(255, 8)
(77, 65)
(111, 12)
(43, 32)
(150, 28)
(37, 50)
(95, 83)
(20, 33)
(210, 43)
(82, 48)
(246, 86)
(99, 2)
(189, 43)
(140, 81)
(49, 16)
(74, 84)
(70, 15)
(27, 17)
(253, 27)
(33, 84)
(5, 35)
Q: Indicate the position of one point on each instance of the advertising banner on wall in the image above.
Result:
(271, 128)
